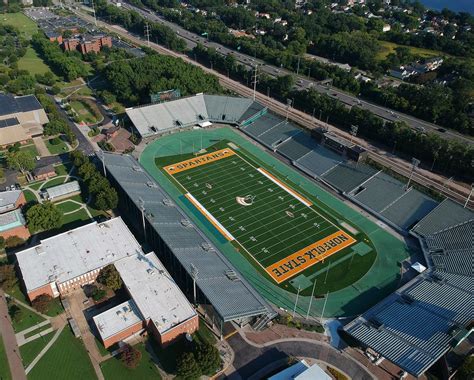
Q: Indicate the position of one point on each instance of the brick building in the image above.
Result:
(157, 304)
(86, 44)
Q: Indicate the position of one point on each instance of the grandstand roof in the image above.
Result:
(154, 291)
(409, 209)
(347, 176)
(231, 298)
(76, 252)
(416, 325)
(447, 214)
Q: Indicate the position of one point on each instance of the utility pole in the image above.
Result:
(147, 34)
(414, 164)
(255, 78)
(469, 196)
(93, 11)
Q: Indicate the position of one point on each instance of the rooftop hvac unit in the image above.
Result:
(137, 168)
(231, 275)
(186, 222)
(167, 202)
(151, 184)
(206, 246)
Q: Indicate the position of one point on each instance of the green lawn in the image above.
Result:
(55, 308)
(63, 169)
(113, 369)
(53, 182)
(26, 319)
(66, 359)
(67, 206)
(84, 111)
(58, 148)
(26, 26)
(29, 196)
(76, 217)
(4, 367)
(32, 63)
(389, 47)
(30, 351)
(30, 149)
(16, 292)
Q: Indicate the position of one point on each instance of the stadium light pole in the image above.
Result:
(327, 272)
(469, 196)
(414, 164)
(141, 204)
(311, 299)
(255, 76)
(194, 275)
(288, 105)
(296, 301)
(324, 308)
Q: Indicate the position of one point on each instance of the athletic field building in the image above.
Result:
(201, 270)
(430, 317)
(21, 118)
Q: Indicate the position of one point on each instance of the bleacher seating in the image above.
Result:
(278, 134)
(347, 176)
(318, 161)
(409, 209)
(262, 125)
(297, 146)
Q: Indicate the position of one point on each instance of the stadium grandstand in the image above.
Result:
(432, 314)
(195, 263)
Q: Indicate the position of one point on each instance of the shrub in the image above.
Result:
(98, 293)
(55, 141)
(187, 367)
(42, 303)
(8, 277)
(14, 241)
(15, 313)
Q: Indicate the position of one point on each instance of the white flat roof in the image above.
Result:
(154, 291)
(73, 253)
(117, 319)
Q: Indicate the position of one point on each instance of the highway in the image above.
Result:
(451, 189)
(303, 82)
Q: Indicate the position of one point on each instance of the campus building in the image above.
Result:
(21, 118)
(12, 222)
(66, 262)
(87, 43)
(157, 304)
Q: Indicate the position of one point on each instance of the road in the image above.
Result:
(458, 191)
(303, 82)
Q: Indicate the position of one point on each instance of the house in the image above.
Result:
(402, 72)
(21, 118)
(44, 172)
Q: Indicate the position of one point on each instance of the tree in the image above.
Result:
(21, 160)
(98, 293)
(466, 371)
(8, 277)
(208, 358)
(109, 277)
(107, 199)
(15, 312)
(42, 303)
(2, 242)
(187, 367)
(43, 217)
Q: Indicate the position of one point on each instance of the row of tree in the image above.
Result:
(97, 186)
(447, 156)
(133, 81)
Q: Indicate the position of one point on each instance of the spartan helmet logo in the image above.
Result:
(245, 201)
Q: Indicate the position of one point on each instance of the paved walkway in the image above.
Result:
(45, 349)
(9, 341)
(75, 311)
(41, 147)
(21, 336)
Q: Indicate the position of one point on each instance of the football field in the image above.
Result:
(281, 230)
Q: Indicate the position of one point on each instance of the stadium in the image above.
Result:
(275, 215)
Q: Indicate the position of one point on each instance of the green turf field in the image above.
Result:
(282, 231)
(346, 284)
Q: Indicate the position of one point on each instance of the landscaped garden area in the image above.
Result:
(56, 145)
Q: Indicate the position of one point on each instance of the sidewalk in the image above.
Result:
(9, 341)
